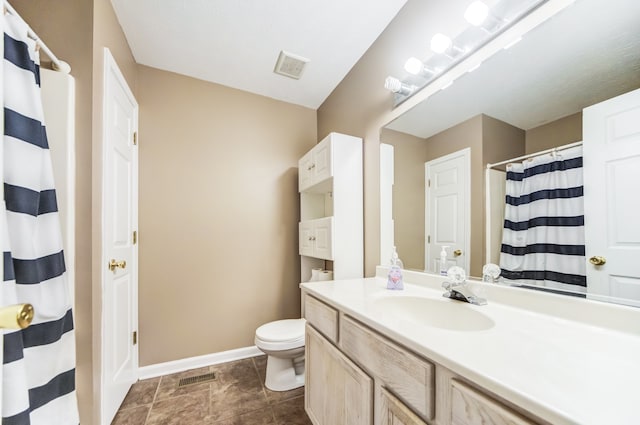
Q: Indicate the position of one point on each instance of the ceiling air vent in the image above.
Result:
(290, 65)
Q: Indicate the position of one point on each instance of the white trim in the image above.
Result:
(175, 366)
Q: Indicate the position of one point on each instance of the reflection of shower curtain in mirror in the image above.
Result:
(543, 236)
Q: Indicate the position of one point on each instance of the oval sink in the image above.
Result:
(444, 314)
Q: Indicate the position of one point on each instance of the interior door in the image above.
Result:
(447, 210)
(120, 211)
(611, 174)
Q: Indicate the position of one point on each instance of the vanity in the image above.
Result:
(375, 356)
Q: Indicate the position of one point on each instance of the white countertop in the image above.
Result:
(566, 360)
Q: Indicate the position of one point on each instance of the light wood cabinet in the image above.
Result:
(347, 362)
(471, 407)
(410, 377)
(336, 390)
(331, 207)
(394, 412)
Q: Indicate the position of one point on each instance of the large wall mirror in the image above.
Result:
(522, 100)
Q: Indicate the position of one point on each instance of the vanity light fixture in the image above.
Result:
(512, 43)
(476, 13)
(415, 66)
(396, 86)
(485, 25)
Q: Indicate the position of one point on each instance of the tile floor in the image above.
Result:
(236, 397)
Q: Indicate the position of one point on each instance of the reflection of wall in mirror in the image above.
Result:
(490, 140)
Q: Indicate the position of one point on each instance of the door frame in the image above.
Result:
(111, 67)
(466, 154)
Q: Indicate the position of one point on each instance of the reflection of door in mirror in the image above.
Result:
(447, 210)
(612, 172)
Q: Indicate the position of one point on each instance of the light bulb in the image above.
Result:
(440, 43)
(476, 13)
(396, 86)
(413, 66)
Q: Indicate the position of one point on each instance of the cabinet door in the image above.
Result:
(322, 162)
(394, 412)
(305, 171)
(336, 390)
(471, 407)
(305, 238)
(323, 234)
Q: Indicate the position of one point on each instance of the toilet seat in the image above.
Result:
(281, 335)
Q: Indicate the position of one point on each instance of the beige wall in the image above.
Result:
(408, 196)
(556, 133)
(361, 106)
(218, 214)
(490, 140)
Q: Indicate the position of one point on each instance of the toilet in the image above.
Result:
(283, 343)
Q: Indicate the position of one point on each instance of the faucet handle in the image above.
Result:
(457, 275)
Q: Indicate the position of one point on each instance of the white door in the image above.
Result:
(447, 210)
(120, 212)
(611, 198)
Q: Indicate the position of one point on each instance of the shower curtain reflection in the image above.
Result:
(543, 235)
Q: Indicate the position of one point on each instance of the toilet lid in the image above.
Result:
(282, 330)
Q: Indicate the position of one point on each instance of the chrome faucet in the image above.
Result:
(458, 288)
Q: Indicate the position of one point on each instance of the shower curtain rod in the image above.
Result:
(56, 63)
(531, 155)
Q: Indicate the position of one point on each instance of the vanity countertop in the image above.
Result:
(566, 360)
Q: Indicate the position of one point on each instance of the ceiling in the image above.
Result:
(236, 42)
(587, 53)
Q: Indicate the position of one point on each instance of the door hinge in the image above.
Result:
(135, 137)
(429, 239)
(135, 337)
(135, 237)
(429, 183)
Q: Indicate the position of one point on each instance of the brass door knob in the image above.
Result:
(113, 264)
(17, 316)
(457, 253)
(597, 260)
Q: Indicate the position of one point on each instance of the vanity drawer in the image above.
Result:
(406, 375)
(323, 317)
(471, 407)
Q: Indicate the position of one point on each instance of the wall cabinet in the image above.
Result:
(316, 238)
(315, 166)
(331, 207)
(356, 376)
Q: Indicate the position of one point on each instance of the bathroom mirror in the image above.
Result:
(533, 92)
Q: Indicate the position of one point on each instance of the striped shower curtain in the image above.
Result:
(543, 235)
(39, 362)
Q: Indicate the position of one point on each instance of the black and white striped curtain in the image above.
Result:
(543, 235)
(39, 362)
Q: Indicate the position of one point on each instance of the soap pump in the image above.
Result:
(394, 280)
(443, 261)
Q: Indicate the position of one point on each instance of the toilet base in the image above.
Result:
(281, 373)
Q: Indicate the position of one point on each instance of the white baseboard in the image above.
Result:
(175, 366)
